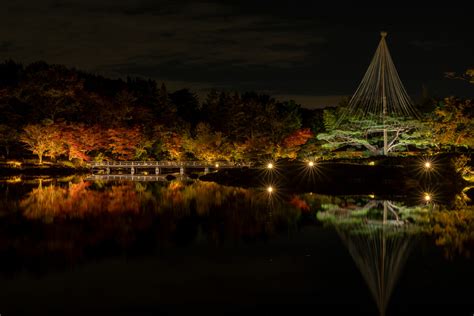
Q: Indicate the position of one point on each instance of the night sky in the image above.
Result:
(314, 53)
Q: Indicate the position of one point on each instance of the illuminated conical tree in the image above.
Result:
(380, 94)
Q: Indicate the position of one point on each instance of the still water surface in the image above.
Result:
(76, 247)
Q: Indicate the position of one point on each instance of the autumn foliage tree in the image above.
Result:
(80, 140)
(207, 145)
(124, 142)
(168, 143)
(40, 140)
(291, 144)
(453, 124)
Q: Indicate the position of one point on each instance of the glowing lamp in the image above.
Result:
(372, 163)
(217, 165)
(427, 197)
(427, 165)
(270, 189)
(270, 166)
(311, 164)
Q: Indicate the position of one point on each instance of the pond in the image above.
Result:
(80, 247)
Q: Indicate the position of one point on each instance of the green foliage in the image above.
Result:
(462, 167)
(367, 134)
(330, 119)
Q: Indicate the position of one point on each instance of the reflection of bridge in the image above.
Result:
(159, 165)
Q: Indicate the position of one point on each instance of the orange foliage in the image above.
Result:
(52, 202)
(298, 138)
(80, 140)
(124, 141)
(299, 203)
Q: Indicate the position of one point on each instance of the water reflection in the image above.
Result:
(221, 213)
(75, 220)
(50, 224)
(78, 200)
(453, 231)
(379, 236)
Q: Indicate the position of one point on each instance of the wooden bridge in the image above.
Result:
(127, 177)
(159, 165)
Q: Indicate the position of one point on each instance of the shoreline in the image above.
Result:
(389, 177)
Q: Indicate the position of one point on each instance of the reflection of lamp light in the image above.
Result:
(14, 163)
(311, 164)
(270, 166)
(270, 189)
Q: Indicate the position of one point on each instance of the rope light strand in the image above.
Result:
(381, 81)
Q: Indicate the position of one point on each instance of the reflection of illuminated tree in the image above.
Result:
(76, 200)
(378, 239)
(242, 211)
(454, 230)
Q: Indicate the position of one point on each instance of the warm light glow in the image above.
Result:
(14, 180)
(14, 163)
(217, 165)
(270, 166)
(427, 197)
(270, 189)
(372, 196)
(427, 166)
(311, 164)
(372, 163)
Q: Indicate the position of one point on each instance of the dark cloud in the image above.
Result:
(430, 45)
(302, 50)
(6, 46)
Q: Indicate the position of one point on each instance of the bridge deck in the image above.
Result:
(166, 164)
(127, 177)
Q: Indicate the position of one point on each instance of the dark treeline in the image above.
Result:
(54, 111)
(62, 113)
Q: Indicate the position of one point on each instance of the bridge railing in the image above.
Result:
(111, 177)
(169, 164)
